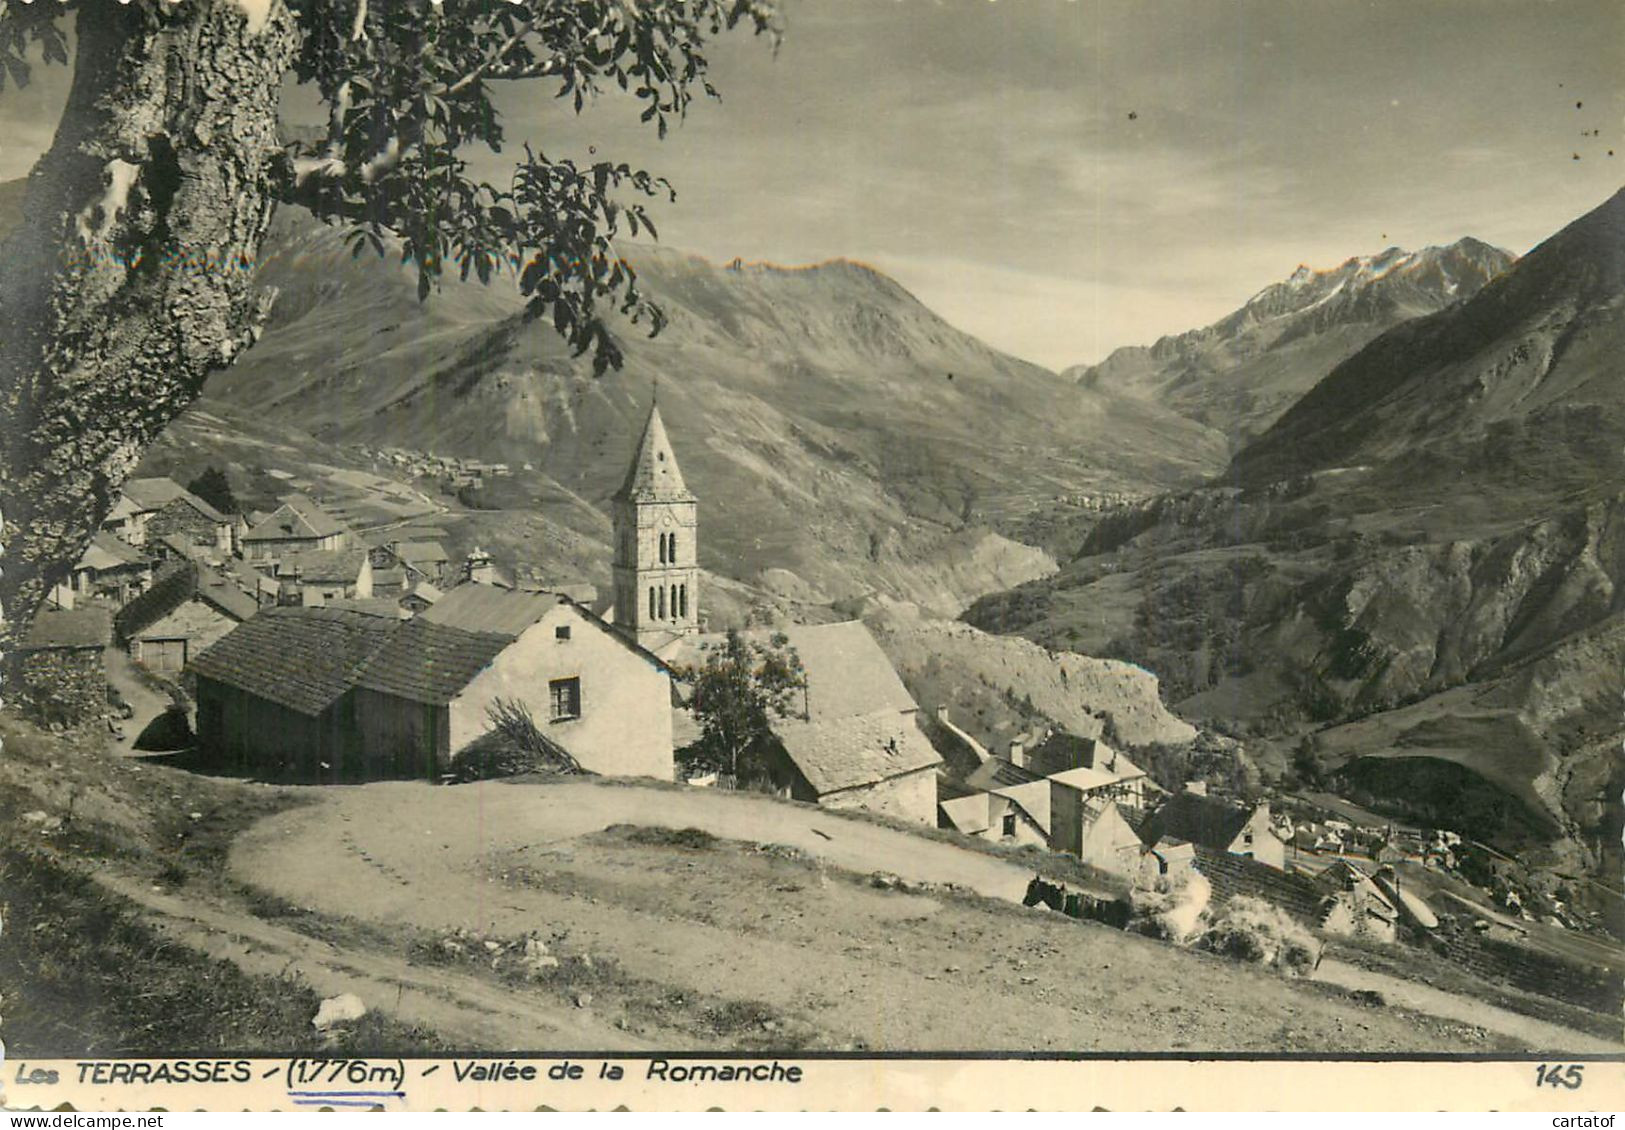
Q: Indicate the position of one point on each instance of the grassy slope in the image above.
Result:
(97, 977)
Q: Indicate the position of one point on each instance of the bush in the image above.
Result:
(513, 745)
(1253, 930)
(1175, 909)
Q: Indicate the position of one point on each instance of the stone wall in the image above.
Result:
(62, 685)
(181, 518)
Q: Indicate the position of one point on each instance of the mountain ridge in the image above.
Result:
(1240, 372)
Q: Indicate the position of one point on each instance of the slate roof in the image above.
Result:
(428, 662)
(845, 753)
(56, 628)
(226, 596)
(847, 672)
(1232, 875)
(108, 552)
(653, 475)
(324, 566)
(301, 658)
(299, 517)
(1207, 821)
(155, 494)
(967, 814)
(997, 773)
(420, 552)
(188, 621)
(1032, 798)
(490, 608)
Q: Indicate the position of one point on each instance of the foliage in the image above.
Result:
(213, 487)
(736, 691)
(1256, 931)
(513, 745)
(410, 85)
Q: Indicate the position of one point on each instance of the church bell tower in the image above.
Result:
(656, 565)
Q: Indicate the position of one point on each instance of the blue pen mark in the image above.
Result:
(336, 1102)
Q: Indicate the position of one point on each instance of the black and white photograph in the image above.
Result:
(735, 535)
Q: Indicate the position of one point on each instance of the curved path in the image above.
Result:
(373, 845)
(503, 860)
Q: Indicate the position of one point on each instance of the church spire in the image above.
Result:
(656, 563)
(654, 475)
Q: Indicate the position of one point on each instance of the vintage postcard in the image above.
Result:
(812, 554)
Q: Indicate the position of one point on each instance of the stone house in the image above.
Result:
(1014, 814)
(60, 673)
(214, 607)
(426, 695)
(856, 741)
(341, 693)
(1091, 825)
(1218, 824)
(110, 568)
(274, 695)
(161, 506)
(299, 525)
(315, 577)
(423, 560)
(879, 761)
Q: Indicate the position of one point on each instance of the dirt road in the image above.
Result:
(787, 953)
(1435, 1002)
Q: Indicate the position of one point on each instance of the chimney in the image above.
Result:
(942, 712)
(1018, 754)
(478, 567)
(1196, 788)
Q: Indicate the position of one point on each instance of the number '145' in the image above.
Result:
(1557, 1075)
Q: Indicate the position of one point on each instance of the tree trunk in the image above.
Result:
(132, 275)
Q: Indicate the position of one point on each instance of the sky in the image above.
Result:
(1063, 177)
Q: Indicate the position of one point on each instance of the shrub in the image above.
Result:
(1175, 909)
(513, 745)
(1253, 930)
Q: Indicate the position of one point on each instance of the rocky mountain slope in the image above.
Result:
(1416, 571)
(834, 428)
(1240, 373)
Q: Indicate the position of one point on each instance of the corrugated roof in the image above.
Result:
(653, 475)
(844, 753)
(86, 627)
(430, 663)
(488, 608)
(302, 658)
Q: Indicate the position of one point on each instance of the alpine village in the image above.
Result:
(826, 679)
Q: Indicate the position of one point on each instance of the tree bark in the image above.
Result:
(131, 278)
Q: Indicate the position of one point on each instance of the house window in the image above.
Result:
(1009, 823)
(564, 695)
(562, 632)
